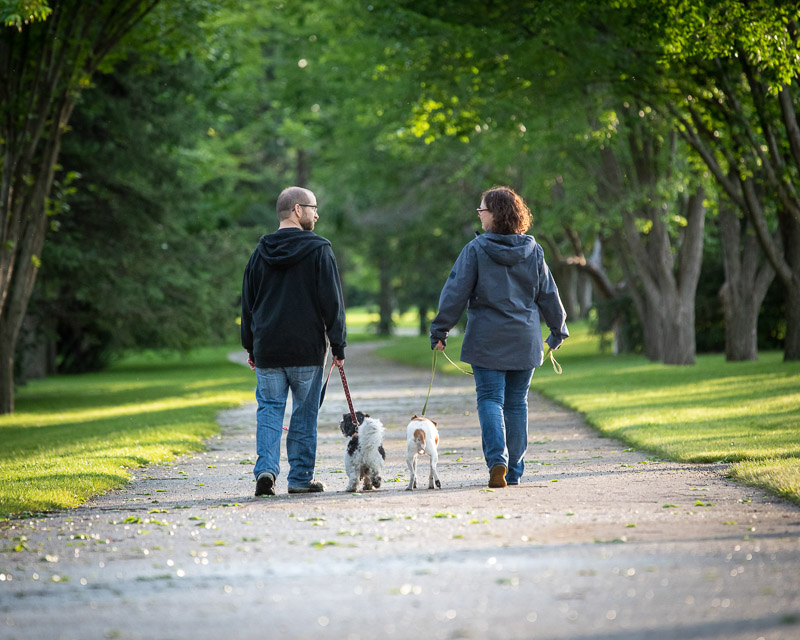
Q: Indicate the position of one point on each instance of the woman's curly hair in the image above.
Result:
(509, 212)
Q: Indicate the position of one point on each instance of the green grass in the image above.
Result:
(363, 321)
(746, 413)
(72, 437)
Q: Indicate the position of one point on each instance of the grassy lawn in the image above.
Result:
(744, 413)
(363, 321)
(73, 437)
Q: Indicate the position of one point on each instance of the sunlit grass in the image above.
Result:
(746, 413)
(363, 320)
(72, 437)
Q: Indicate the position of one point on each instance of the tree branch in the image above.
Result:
(790, 122)
(771, 248)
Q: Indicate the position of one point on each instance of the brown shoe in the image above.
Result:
(497, 477)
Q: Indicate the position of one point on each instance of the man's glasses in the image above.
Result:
(313, 206)
(479, 210)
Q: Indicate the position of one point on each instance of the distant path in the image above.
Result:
(598, 542)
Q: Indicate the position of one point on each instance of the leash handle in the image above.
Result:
(556, 366)
(347, 395)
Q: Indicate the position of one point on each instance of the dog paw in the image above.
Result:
(438, 484)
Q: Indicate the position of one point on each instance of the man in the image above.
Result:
(291, 300)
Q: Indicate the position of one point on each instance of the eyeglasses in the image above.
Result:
(313, 206)
(479, 210)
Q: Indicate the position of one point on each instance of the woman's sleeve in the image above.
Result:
(549, 303)
(455, 294)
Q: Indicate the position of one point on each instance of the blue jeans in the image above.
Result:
(272, 391)
(503, 414)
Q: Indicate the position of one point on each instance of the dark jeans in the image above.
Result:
(503, 414)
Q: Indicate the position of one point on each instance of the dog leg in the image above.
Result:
(352, 474)
(411, 461)
(375, 478)
(367, 481)
(434, 475)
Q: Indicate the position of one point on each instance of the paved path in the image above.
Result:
(598, 542)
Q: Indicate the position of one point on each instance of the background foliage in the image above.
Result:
(398, 115)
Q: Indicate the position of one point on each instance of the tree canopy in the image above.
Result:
(149, 140)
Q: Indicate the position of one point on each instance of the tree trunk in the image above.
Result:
(302, 170)
(678, 339)
(763, 169)
(790, 233)
(791, 350)
(741, 326)
(746, 284)
(423, 320)
(568, 290)
(584, 295)
(385, 301)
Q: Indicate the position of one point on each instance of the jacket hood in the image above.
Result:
(287, 247)
(507, 250)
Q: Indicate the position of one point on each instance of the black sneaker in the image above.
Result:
(315, 486)
(265, 484)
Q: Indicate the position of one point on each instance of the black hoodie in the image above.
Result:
(291, 299)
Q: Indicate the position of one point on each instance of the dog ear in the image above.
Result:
(435, 424)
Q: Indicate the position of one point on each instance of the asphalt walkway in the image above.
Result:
(598, 542)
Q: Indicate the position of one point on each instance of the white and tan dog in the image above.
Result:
(423, 438)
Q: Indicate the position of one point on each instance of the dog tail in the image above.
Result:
(419, 438)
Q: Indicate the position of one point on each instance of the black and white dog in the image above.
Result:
(364, 457)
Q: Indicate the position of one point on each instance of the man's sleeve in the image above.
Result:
(332, 302)
(247, 314)
(549, 303)
(455, 294)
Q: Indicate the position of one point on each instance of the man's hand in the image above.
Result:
(338, 361)
(440, 345)
(251, 363)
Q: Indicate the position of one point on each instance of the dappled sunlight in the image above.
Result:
(711, 411)
(76, 436)
(68, 416)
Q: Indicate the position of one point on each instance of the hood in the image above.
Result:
(287, 247)
(507, 250)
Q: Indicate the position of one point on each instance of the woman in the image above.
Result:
(503, 281)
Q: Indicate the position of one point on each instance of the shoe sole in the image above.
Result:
(265, 486)
(497, 477)
(306, 490)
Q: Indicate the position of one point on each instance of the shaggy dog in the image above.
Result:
(364, 457)
(423, 438)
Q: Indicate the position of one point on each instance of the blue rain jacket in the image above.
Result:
(503, 282)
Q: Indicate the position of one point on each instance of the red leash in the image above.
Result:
(346, 392)
(347, 395)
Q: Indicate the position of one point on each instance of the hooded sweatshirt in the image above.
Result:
(504, 283)
(292, 303)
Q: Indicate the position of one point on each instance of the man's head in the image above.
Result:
(297, 207)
